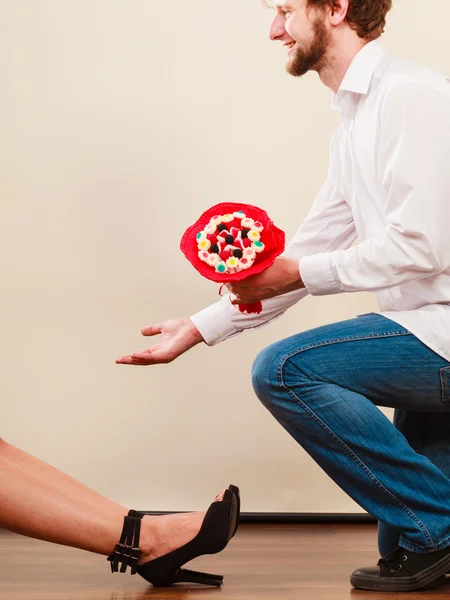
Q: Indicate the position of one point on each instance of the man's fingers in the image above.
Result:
(151, 330)
(129, 360)
(145, 358)
(137, 358)
(144, 355)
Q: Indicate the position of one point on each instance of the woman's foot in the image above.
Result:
(163, 534)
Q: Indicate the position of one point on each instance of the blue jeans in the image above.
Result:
(324, 386)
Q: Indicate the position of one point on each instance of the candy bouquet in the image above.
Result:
(232, 241)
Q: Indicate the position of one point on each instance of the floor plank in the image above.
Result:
(310, 562)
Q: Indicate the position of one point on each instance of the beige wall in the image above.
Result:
(122, 120)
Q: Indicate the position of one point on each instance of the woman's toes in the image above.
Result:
(220, 496)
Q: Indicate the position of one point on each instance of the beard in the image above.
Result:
(308, 59)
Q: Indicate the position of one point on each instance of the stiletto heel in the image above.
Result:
(218, 527)
(186, 576)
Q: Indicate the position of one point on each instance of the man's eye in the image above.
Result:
(287, 14)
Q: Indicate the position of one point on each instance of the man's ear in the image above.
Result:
(339, 10)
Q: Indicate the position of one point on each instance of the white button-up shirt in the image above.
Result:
(389, 185)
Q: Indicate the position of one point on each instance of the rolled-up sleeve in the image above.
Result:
(413, 168)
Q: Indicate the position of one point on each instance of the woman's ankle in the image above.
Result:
(149, 538)
(163, 534)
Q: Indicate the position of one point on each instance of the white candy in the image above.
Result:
(247, 223)
(200, 236)
(253, 235)
(246, 263)
(233, 263)
(227, 218)
(258, 247)
(204, 244)
(204, 256)
(249, 253)
(221, 267)
(213, 260)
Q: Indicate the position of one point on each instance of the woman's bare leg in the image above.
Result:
(40, 501)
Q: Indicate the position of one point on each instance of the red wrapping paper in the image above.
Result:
(242, 245)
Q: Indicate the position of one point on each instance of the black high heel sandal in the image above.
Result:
(219, 526)
(235, 490)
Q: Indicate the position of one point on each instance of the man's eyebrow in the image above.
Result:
(281, 4)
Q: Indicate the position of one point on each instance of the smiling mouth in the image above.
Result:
(290, 47)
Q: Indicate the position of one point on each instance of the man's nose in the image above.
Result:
(277, 29)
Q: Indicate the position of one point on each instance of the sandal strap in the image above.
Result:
(127, 550)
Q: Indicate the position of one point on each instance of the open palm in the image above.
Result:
(176, 337)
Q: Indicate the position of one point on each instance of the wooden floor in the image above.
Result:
(301, 562)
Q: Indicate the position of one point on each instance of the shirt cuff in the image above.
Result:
(214, 322)
(318, 275)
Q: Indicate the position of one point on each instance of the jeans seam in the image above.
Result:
(409, 546)
(444, 387)
(350, 338)
(349, 451)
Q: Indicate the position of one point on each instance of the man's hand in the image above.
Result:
(177, 336)
(282, 277)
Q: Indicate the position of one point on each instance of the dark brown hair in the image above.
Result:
(366, 17)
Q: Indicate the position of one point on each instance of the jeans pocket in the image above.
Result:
(445, 384)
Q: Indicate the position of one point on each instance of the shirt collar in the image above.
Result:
(360, 72)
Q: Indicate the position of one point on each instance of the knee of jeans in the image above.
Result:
(265, 373)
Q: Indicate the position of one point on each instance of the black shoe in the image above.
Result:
(403, 571)
(235, 490)
(218, 527)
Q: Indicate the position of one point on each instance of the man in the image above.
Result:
(389, 185)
